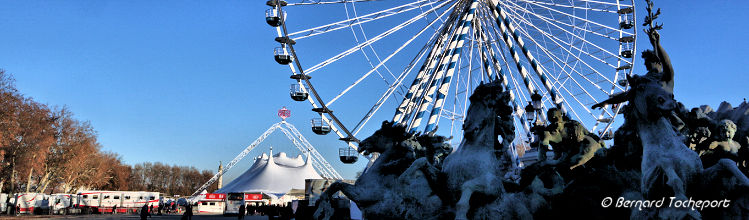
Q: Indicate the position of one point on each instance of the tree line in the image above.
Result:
(47, 150)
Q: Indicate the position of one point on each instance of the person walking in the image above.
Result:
(144, 212)
(114, 209)
(188, 212)
(241, 211)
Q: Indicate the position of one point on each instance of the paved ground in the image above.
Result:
(124, 216)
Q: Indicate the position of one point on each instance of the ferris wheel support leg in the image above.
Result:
(405, 109)
(485, 53)
(428, 96)
(513, 52)
(402, 108)
(502, 19)
(435, 65)
(511, 46)
(445, 86)
(500, 73)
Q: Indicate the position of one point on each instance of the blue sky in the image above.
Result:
(193, 82)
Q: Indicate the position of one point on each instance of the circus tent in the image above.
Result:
(276, 174)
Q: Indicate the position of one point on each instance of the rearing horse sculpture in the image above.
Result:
(476, 166)
(395, 186)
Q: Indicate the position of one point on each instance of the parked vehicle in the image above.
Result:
(63, 203)
(213, 203)
(32, 203)
(126, 201)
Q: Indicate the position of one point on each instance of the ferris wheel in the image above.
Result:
(421, 59)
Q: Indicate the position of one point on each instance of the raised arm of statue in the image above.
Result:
(667, 68)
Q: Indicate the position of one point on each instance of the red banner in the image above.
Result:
(215, 196)
(253, 197)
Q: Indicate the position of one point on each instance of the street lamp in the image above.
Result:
(530, 112)
(536, 100)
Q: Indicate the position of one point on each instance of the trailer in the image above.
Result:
(212, 203)
(123, 201)
(30, 203)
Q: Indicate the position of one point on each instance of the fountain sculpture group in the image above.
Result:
(662, 156)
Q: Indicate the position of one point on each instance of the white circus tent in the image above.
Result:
(282, 168)
(277, 174)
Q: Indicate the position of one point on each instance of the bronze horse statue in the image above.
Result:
(476, 167)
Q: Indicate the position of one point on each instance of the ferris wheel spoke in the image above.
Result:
(370, 41)
(609, 8)
(386, 59)
(392, 88)
(574, 97)
(562, 68)
(303, 3)
(360, 19)
(582, 105)
(581, 39)
(587, 21)
(561, 85)
(505, 24)
(604, 3)
(558, 42)
(554, 22)
(573, 69)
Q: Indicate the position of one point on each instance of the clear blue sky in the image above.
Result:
(193, 82)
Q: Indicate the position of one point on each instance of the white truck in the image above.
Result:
(63, 203)
(124, 201)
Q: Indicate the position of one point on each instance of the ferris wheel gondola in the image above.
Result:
(566, 54)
